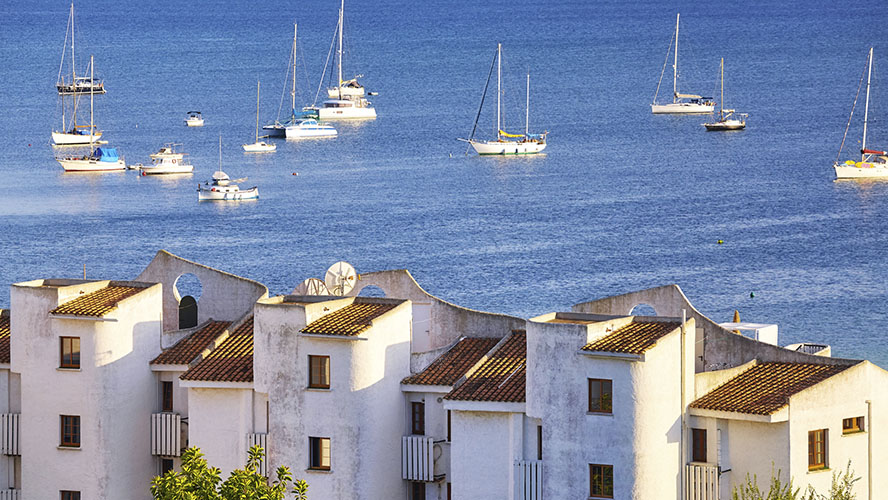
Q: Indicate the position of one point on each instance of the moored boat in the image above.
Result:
(309, 128)
(258, 146)
(167, 161)
(222, 188)
(98, 160)
(681, 103)
(728, 119)
(194, 119)
(346, 103)
(873, 163)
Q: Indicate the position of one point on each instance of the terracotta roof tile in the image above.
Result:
(231, 361)
(351, 320)
(453, 364)
(765, 388)
(98, 303)
(501, 378)
(188, 348)
(634, 338)
(4, 335)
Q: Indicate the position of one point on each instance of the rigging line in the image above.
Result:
(304, 73)
(483, 95)
(64, 48)
(326, 64)
(663, 71)
(853, 105)
(284, 89)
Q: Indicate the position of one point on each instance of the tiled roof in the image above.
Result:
(634, 338)
(4, 335)
(501, 378)
(186, 349)
(453, 364)
(765, 388)
(351, 320)
(98, 303)
(231, 361)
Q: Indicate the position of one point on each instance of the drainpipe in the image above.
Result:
(869, 449)
(681, 447)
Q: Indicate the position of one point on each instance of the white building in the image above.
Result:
(411, 397)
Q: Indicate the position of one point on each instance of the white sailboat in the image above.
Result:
(505, 143)
(99, 159)
(344, 106)
(278, 128)
(728, 119)
(873, 163)
(681, 103)
(72, 134)
(222, 188)
(259, 146)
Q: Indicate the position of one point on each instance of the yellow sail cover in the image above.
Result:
(504, 133)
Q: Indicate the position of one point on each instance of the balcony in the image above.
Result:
(10, 494)
(259, 440)
(424, 459)
(166, 434)
(701, 482)
(9, 435)
(528, 480)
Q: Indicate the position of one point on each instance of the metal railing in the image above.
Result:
(701, 482)
(166, 434)
(528, 479)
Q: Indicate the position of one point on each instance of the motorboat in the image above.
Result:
(259, 146)
(873, 163)
(167, 151)
(194, 119)
(728, 119)
(681, 103)
(100, 159)
(222, 188)
(310, 128)
(167, 161)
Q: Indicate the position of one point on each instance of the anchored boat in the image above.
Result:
(222, 188)
(681, 103)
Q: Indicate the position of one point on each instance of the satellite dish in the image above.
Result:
(340, 278)
(311, 286)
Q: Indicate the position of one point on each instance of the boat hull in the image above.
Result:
(346, 113)
(297, 132)
(63, 139)
(275, 130)
(259, 147)
(227, 194)
(167, 169)
(487, 148)
(682, 108)
(81, 165)
(80, 89)
(194, 123)
(861, 170)
(725, 125)
(335, 92)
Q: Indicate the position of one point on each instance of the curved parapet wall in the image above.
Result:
(721, 348)
(437, 323)
(224, 296)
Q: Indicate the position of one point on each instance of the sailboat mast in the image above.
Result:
(73, 69)
(869, 74)
(527, 107)
(341, 15)
(91, 125)
(499, 77)
(675, 63)
(293, 91)
(257, 110)
(721, 103)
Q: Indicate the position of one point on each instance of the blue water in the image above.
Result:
(622, 200)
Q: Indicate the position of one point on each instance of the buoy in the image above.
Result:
(295, 173)
(721, 241)
(751, 295)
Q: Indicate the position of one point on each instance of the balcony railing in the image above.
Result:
(424, 459)
(9, 434)
(260, 440)
(10, 494)
(166, 434)
(528, 480)
(701, 482)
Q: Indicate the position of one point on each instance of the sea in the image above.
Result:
(621, 200)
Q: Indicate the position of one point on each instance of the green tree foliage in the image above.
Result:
(842, 488)
(199, 481)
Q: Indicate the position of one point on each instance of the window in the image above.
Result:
(69, 495)
(166, 398)
(852, 425)
(70, 425)
(319, 372)
(166, 465)
(698, 442)
(600, 396)
(70, 352)
(601, 481)
(539, 442)
(417, 418)
(448, 491)
(417, 491)
(817, 449)
(448, 426)
(319, 453)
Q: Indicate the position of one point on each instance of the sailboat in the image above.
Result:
(222, 188)
(505, 143)
(344, 105)
(728, 119)
(77, 84)
(681, 103)
(99, 159)
(278, 128)
(72, 134)
(259, 146)
(873, 163)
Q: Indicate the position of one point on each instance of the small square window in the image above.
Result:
(601, 481)
(319, 372)
(417, 491)
(70, 427)
(817, 449)
(852, 425)
(319, 453)
(600, 395)
(69, 352)
(166, 465)
(69, 495)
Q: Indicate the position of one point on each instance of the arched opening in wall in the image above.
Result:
(371, 291)
(643, 310)
(187, 290)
